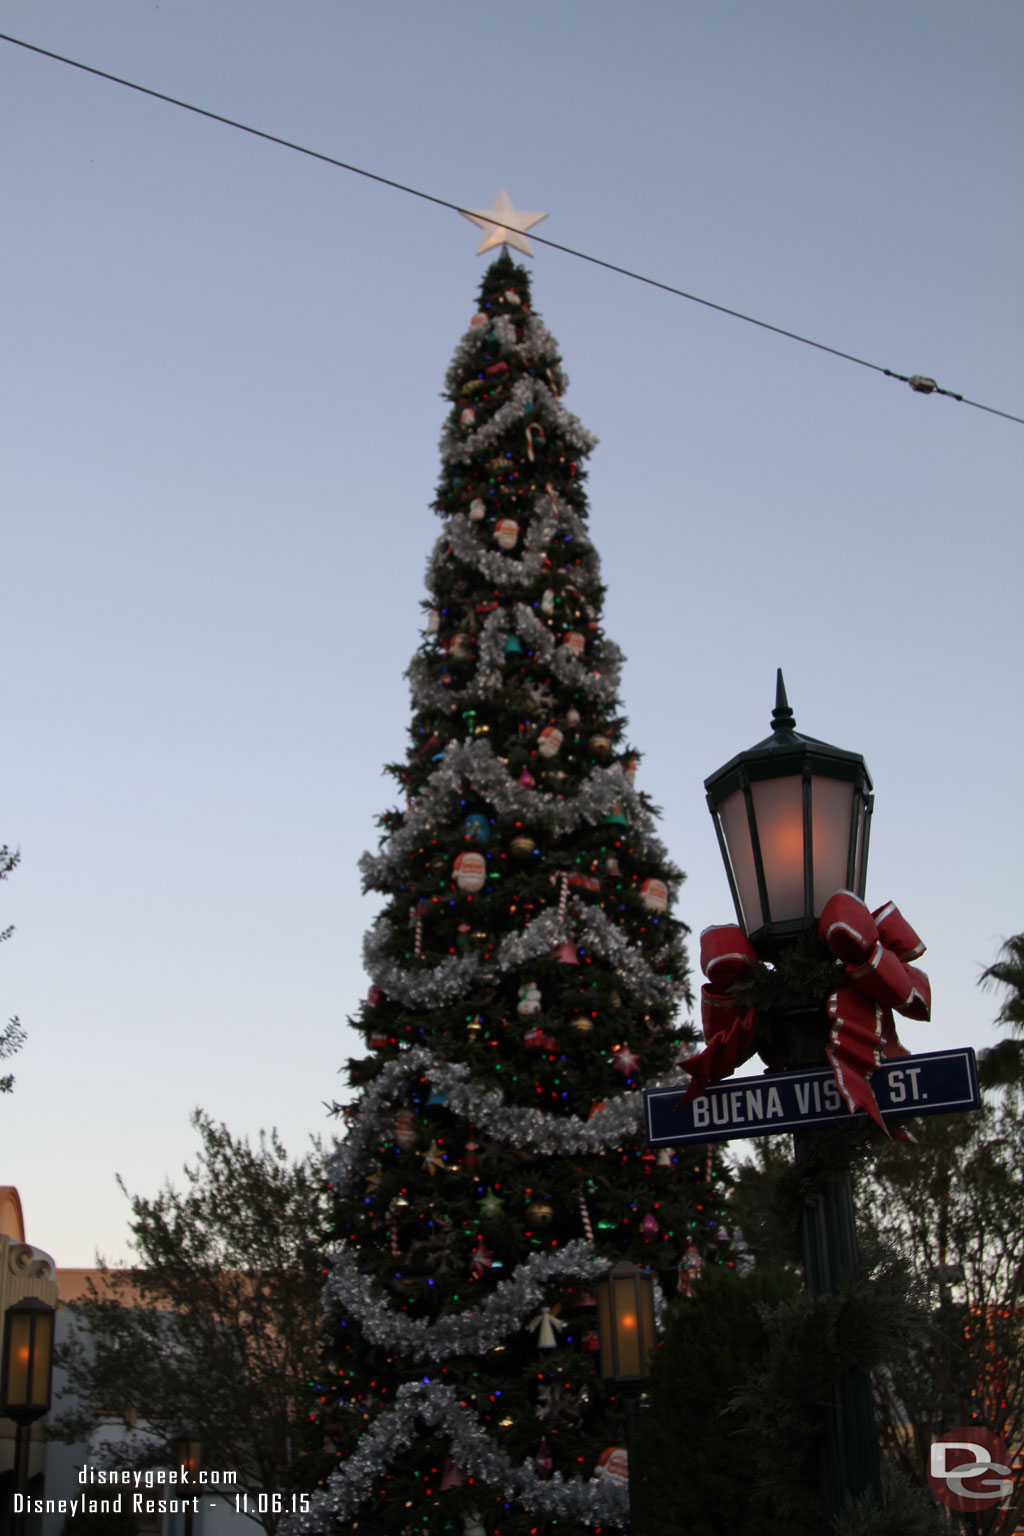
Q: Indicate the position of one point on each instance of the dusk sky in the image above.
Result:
(222, 365)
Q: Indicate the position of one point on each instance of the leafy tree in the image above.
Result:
(1002, 1065)
(215, 1331)
(952, 1204)
(12, 1036)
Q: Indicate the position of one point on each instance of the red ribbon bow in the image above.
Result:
(876, 948)
(726, 957)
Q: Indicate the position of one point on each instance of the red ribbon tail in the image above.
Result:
(724, 1052)
(856, 1044)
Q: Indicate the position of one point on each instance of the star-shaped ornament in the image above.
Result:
(481, 1260)
(503, 224)
(433, 1159)
(624, 1060)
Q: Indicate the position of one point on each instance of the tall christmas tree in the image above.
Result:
(526, 970)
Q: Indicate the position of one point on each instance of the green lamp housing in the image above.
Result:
(27, 1368)
(792, 816)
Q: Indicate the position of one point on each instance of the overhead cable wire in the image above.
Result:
(918, 382)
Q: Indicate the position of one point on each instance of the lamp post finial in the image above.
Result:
(783, 718)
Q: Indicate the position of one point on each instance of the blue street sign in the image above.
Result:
(935, 1083)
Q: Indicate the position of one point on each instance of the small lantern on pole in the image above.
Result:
(188, 1458)
(625, 1324)
(27, 1360)
(792, 816)
(26, 1377)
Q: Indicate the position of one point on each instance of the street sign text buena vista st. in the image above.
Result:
(936, 1082)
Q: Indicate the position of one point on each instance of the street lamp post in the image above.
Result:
(26, 1378)
(625, 1326)
(188, 1457)
(793, 816)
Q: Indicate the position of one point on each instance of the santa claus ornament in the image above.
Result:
(506, 532)
(549, 741)
(654, 895)
(613, 1465)
(470, 871)
(405, 1129)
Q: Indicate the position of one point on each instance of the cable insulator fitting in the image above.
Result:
(921, 385)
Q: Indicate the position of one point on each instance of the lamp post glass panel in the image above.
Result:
(792, 816)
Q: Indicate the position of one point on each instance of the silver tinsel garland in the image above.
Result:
(537, 346)
(503, 1312)
(474, 765)
(393, 1431)
(423, 988)
(531, 1129)
(528, 397)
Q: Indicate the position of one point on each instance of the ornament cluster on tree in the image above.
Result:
(526, 971)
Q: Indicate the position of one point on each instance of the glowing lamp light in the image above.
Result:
(27, 1360)
(793, 817)
(625, 1323)
(188, 1454)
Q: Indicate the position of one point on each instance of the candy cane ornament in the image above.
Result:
(563, 899)
(534, 427)
(587, 1228)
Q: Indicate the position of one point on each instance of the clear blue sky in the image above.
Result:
(221, 376)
